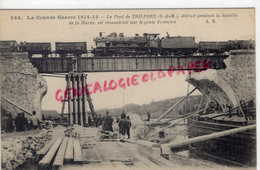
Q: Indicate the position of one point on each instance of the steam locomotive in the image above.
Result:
(117, 45)
(151, 44)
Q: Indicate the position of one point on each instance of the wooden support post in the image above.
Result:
(68, 79)
(73, 99)
(90, 103)
(64, 100)
(207, 104)
(69, 151)
(84, 90)
(79, 90)
(47, 159)
(186, 104)
(58, 162)
(176, 104)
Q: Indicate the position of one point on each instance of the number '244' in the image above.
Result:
(16, 18)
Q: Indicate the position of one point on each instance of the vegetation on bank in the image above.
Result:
(159, 107)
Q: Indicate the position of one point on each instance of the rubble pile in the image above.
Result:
(138, 128)
(16, 150)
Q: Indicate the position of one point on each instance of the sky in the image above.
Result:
(143, 93)
(239, 25)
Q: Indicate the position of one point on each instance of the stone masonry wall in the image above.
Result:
(21, 85)
(240, 75)
(230, 85)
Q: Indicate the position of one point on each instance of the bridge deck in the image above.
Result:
(120, 64)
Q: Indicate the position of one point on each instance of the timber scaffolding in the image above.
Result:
(77, 98)
(239, 120)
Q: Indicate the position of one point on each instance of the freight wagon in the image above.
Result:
(38, 48)
(213, 47)
(8, 46)
(75, 48)
(241, 44)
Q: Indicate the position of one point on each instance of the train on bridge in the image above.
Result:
(118, 45)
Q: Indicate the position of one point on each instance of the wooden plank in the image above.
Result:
(69, 151)
(110, 165)
(127, 140)
(140, 165)
(44, 150)
(47, 159)
(160, 161)
(78, 157)
(212, 115)
(209, 136)
(59, 159)
(147, 162)
(165, 161)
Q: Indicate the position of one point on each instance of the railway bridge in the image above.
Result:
(77, 66)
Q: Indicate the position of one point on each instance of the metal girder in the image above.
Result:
(121, 64)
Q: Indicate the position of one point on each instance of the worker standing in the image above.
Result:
(7, 122)
(35, 122)
(122, 126)
(128, 126)
(148, 116)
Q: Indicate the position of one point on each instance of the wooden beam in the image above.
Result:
(17, 106)
(44, 150)
(59, 159)
(209, 136)
(176, 104)
(166, 121)
(78, 157)
(173, 124)
(69, 151)
(47, 159)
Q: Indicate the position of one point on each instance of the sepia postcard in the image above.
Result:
(128, 89)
